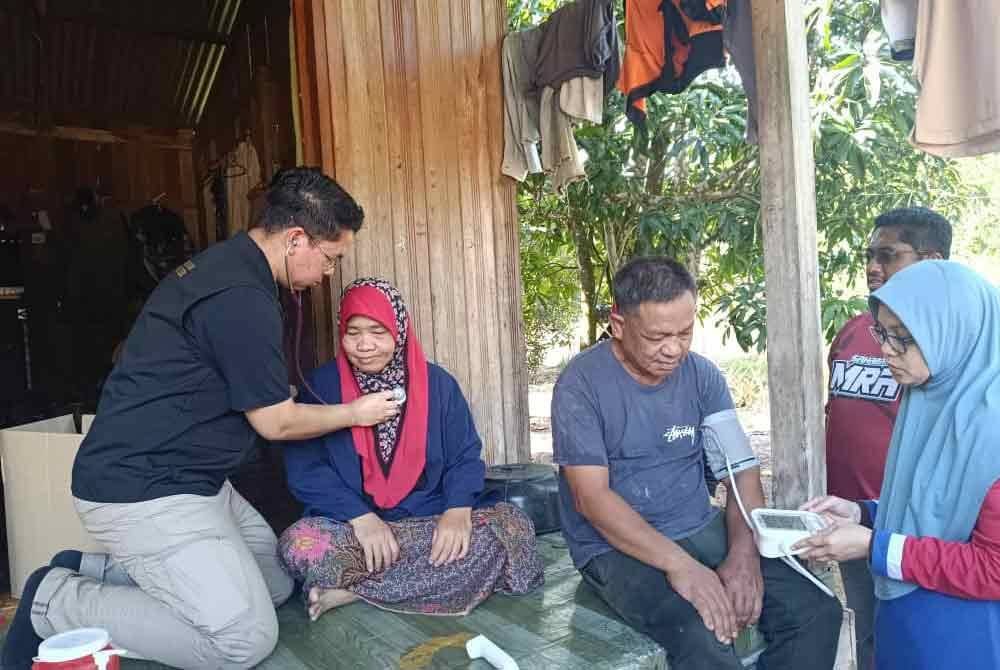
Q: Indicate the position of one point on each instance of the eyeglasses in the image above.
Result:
(330, 261)
(886, 255)
(896, 342)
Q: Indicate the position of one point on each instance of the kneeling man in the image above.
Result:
(633, 419)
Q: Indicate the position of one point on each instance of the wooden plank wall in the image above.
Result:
(401, 102)
(134, 170)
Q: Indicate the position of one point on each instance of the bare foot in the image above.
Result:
(321, 600)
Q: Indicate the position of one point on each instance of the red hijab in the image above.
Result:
(394, 453)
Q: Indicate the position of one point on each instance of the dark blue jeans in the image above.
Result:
(800, 623)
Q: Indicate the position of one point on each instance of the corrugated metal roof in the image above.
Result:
(110, 63)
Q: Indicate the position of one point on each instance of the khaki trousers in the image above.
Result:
(207, 579)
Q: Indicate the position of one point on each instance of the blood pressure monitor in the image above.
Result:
(774, 530)
(778, 529)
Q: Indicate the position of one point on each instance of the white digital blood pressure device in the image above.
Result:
(774, 530)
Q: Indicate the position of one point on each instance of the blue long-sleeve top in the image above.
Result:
(325, 473)
(952, 601)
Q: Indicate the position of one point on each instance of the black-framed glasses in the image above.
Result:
(886, 255)
(897, 343)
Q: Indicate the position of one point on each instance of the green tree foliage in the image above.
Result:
(549, 271)
(690, 186)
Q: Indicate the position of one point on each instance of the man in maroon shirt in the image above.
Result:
(864, 398)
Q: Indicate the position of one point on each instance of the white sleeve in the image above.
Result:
(722, 437)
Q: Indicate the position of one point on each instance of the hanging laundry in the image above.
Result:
(955, 62)
(737, 38)
(554, 75)
(520, 105)
(548, 118)
(560, 155)
(712, 11)
(665, 49)
(645, 54)
(242, 173)
(899, 17)
(579, 39)
(583, 98)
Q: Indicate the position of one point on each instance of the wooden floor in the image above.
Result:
(562, 625)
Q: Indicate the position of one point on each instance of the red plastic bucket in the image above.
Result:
(80, 649)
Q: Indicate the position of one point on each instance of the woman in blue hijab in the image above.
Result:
(933, 539)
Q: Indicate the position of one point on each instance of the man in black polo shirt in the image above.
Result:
(195, 575)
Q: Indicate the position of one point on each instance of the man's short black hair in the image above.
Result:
(651, 279)
(921, 228)
(304, 196)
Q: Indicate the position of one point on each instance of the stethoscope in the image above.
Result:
(398, 393)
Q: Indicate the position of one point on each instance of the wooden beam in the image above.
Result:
(114, 22)
(181, 140)
(788, 211)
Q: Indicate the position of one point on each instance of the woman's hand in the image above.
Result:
(836, 511)
(377, 540)
(373, 408)
(452, 536)
(844, 542)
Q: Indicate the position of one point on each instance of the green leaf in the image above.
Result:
(847, 62)
(691, 187)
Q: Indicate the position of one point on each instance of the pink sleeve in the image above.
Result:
(962, 569)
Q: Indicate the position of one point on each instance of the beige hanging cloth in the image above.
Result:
(957, 65)
(560, 155)
(520, 107)
(583, 98)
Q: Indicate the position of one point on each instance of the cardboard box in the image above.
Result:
(37, 462)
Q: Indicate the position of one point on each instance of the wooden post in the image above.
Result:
(788, 211)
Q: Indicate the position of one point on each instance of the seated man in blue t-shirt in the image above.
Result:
(627, 423)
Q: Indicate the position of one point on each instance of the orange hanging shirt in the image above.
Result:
(656, 30)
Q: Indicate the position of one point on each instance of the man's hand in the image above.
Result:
(377, 540)
(701, 587)
(373, 408)
(741, 577)
(452, 536)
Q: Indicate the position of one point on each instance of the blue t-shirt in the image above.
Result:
(647, 436)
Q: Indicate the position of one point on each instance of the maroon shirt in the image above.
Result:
(860, 412)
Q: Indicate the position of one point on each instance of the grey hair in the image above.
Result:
(651, 279)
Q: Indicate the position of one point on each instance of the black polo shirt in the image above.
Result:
(206, 348)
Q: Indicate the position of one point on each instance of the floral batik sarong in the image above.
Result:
(502, 557)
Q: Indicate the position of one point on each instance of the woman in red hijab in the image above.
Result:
(394, 514)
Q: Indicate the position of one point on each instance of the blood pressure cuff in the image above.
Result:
(722, 436)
